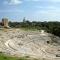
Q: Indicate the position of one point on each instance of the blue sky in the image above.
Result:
(33, 10)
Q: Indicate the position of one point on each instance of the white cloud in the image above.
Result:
(33, 0)
(48, 14)
(45, 6)
(11, 11)
(15, 2)
(12, 2)
(54, 0)
(45, 0)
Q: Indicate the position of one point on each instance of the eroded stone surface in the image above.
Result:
(32, 43)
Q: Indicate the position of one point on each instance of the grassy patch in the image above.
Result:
(29, 29)
(5, 57)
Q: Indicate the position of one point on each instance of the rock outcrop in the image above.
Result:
(30, 43)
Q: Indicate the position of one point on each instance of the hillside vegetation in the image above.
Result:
(50, 27)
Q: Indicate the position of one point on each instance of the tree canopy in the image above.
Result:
(50, 27)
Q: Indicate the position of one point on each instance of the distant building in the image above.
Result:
(4, 23)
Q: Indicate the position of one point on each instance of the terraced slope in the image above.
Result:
(30, 43)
